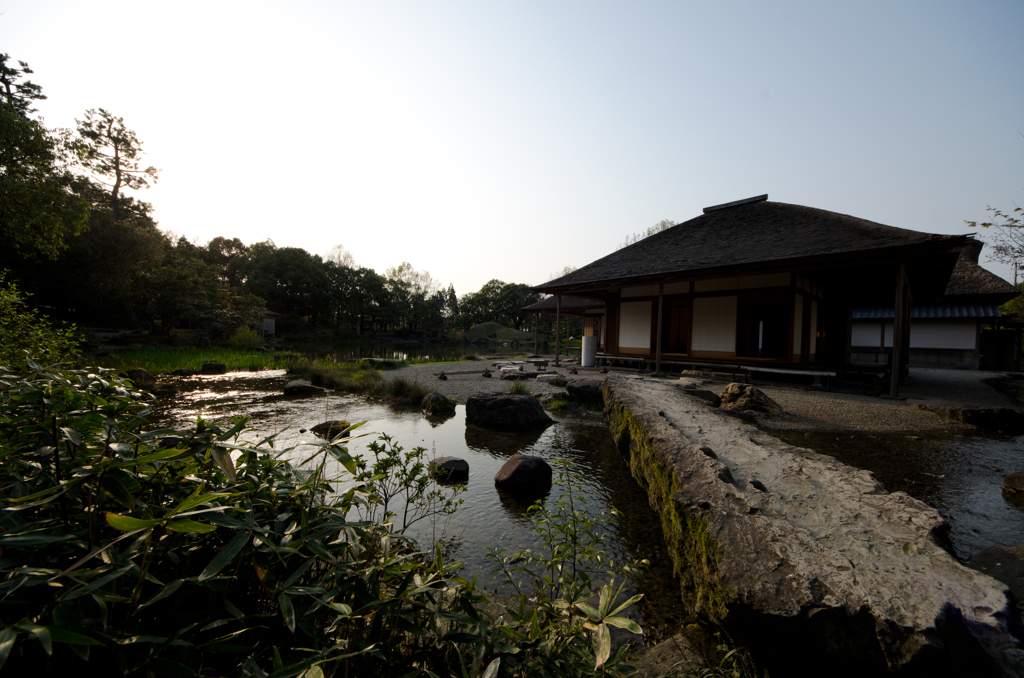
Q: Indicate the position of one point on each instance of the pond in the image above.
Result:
(487, 519)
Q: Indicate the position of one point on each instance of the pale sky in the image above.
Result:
(481, 140)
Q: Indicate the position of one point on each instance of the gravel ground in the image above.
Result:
(462, 386)
(806, 410)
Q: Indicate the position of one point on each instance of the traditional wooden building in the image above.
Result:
(760, 284)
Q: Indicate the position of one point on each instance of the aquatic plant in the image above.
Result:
(566, 633)
(398, 486)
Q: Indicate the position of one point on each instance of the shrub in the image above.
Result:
(27, 335)
(565, 634)
(244, 337)
(157, 552)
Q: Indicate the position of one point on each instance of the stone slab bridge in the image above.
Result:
(810, 563)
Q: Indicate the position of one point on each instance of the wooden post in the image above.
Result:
(896, 364)
(657, 350)
(536, 331)
(558, 326)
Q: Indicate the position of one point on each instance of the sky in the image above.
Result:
(509, 140)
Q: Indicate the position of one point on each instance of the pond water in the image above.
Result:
(487, 518)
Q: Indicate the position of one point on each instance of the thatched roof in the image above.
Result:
(970, 279)
(570, 305)
(748, 236)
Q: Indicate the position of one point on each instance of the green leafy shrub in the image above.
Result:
(558, 628)
(244, 337)
(25, 334)
(180, 552)
(157, 552)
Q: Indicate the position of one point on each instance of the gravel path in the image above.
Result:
(806, 410)
(462, 386)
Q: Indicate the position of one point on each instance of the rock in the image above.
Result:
(586, 391)
(330, 429)
(1005, 563)
(1015, 483)
(516, 375)
(301, 387)
(673, 657)
(506, 412)
(524, 474)
(553, 379)
(185, 372)
(437, 403)
(142, 378)
(823, 552)
(214, 368)
(450, 469)
(709, 397)
(1003, 419)
(746, 398)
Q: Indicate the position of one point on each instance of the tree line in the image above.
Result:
(91, 253)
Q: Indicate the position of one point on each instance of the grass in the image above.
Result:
(166, 360)
(558, 404)
(518, 387)
(359, 377)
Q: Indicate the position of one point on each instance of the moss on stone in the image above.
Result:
(695, 553)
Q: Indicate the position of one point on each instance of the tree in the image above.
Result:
(662, 225)
(18, 95)
(112, 152)
(341, 256)
(39, 207)
(1005, 235)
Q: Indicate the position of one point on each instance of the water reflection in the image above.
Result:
(488, 518)
(501, 444)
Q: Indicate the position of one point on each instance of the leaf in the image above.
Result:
(602, 645)
(190, 526)
(287, 610)
(33, 540)
(492, 668)
(127, 523)
(198, 499)
(163, 593)
(59, 635)
(71, 435)
(121, 486)
(7, 637)
(41, 633)
(626, 604)
(226, 555)
(223, 459)
(313, 672)
(171, 669)
(624, 623)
